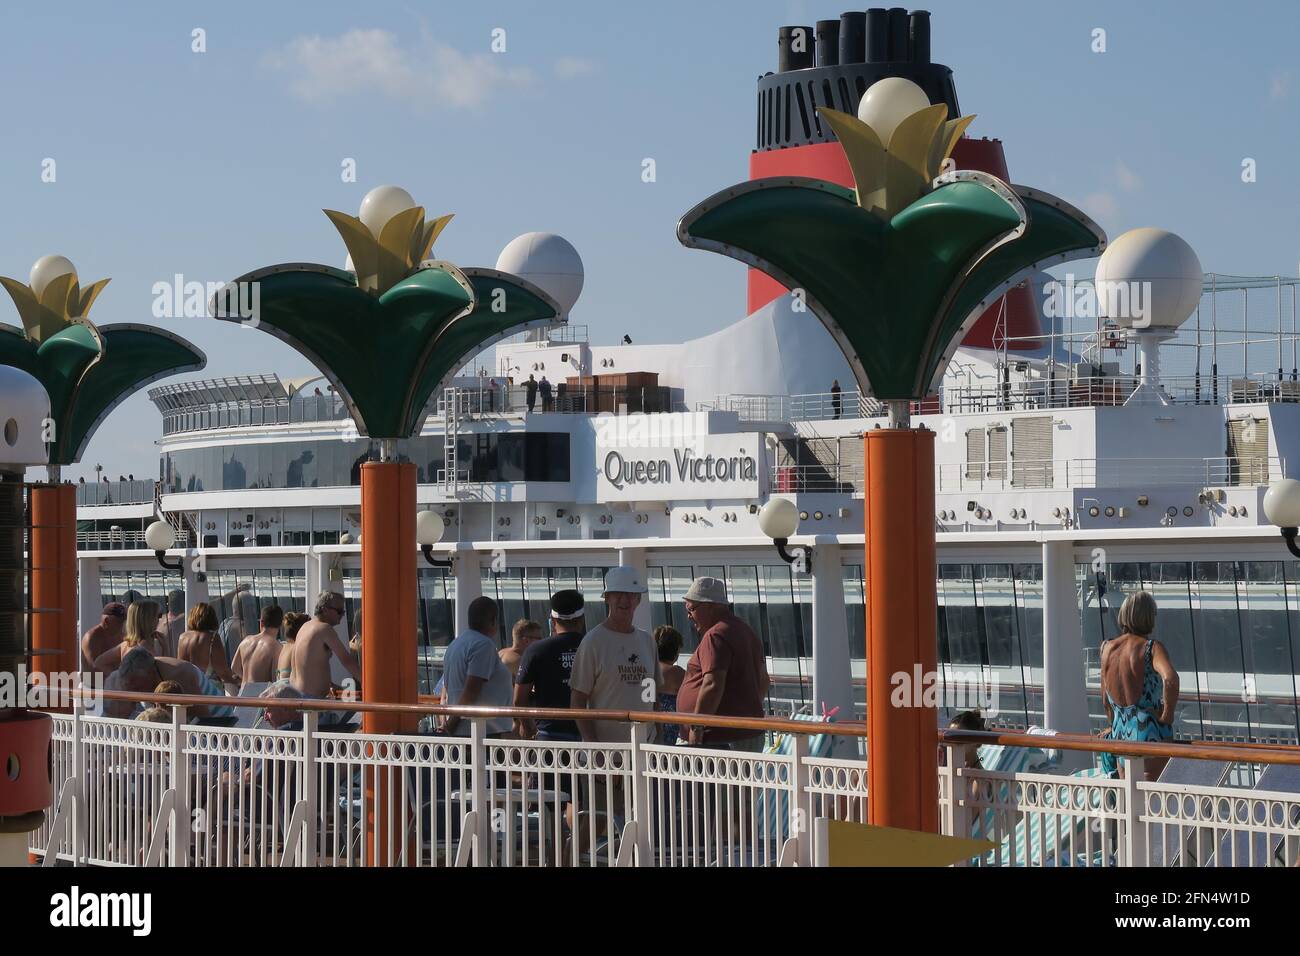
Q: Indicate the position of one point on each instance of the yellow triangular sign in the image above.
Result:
(859, 844)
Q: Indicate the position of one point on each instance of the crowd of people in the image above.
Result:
(287, 656)
(611, 666)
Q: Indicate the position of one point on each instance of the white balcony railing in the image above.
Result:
(182, 794)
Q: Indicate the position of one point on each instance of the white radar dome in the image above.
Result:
(549, 262)
(888, 102)
(1148, 278)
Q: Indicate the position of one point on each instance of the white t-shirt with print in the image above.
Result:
(617, 672)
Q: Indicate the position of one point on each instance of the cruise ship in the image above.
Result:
(1067, 474)
(1122, 421)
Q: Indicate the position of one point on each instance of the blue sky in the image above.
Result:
(212, 164)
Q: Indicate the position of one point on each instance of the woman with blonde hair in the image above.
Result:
(141, 631)
(1139, 686)
(201, 645)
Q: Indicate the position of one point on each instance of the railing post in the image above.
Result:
(1134, 837)
(178, 853)
(800, 825)
(641, 804)
(310, 783)
(79, 821)
(479, 790)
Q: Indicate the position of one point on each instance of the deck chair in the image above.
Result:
(1244, 848)
(999, 758)
(247, 716)
(1163, 846)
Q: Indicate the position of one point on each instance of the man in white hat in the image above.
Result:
(727, 674)
(617, 665)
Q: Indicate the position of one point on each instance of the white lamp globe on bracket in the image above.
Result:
(429, 528)
(779, 519)
(1282, 508)
(160, 537)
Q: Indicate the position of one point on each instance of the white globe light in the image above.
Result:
(159, 536)
(888, 102)
(348, 266)
(1148, 278)
(48, 268)
(381, 204)
(778, 518)
(1282, 503)
(549, 262)
(428, 528)
(345, 538)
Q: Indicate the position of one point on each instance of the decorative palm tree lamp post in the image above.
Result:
(87, 372)
(388, 334)
(897, 270)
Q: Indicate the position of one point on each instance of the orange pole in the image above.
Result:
(55, 642)
(388, 641)
(902, 651)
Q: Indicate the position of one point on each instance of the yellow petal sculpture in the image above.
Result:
(890, 178)
(404, 242)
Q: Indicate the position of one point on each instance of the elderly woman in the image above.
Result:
(1139, 685)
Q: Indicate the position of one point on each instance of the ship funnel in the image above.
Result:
(795, 48)
(877, 26)
(853, 32)
(920, 36)
(898, 32)
(828, 42)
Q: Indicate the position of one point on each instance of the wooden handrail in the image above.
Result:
(1201, 750)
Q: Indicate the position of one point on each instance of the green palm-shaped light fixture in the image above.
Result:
(390, 331)
(86, 371)
(900, 267)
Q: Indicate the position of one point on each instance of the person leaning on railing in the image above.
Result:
(474, 674)
(1135, 667)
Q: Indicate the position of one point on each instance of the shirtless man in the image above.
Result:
(315, 643)
(104, 635)
(140, 672)
(524, 634)
(258, 653)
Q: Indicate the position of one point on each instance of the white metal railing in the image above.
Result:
(1064, 391)
(810, 406)
(181, 794)
(1107, 473)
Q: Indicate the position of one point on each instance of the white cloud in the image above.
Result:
(369, 62)
(1280, 86)
(1127, 179)
(1101, 206)
(569, 66)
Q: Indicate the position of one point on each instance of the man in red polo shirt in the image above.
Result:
(727, 674)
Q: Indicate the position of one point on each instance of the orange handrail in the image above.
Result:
(1206, 750)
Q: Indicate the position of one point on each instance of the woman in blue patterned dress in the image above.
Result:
(1138, 682)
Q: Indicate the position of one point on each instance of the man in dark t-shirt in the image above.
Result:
(543, 676)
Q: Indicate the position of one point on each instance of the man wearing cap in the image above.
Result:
(104, 635)
(617, 664)
(544, 670)
(727, 674)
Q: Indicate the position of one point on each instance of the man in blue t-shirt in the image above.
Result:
(473, 673)
(543, 676)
